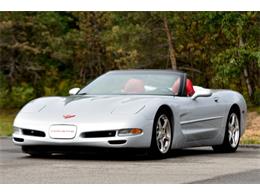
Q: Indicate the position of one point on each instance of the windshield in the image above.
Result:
(133, 82)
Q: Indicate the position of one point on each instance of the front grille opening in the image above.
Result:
(31, 132)
(18, 139)
(117, 141)
(97, 134)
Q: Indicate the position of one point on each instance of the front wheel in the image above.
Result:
(162, 135)
(232, 134)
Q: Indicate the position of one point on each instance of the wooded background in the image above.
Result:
(47, 53)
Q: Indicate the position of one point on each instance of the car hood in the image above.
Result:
(85, 106)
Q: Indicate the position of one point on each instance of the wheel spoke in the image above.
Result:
(165, 138)
(229, 125)
(233, 120)
(229, 136)
(236, 137)
(159, 124)
(165, 123)
(236, 129)
(160, 135)
(233, 140)
(162, 144)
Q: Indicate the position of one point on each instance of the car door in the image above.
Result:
(200, 119)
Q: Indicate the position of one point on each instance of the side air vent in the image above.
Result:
(31, 132)
(97, 134)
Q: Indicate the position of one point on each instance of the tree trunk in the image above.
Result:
(245, 72)
(249, 87)
(170, 45)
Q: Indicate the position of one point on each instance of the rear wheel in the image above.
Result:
(162, 135)
(232, 134)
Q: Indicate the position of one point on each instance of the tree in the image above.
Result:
(46, 53)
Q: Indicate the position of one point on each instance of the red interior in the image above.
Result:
(189, 87)
(176, 86)
(134, 86)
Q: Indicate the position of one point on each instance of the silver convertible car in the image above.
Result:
(158, 110)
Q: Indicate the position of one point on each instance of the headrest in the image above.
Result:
(176, 87)
(134, 86)
(189, 88)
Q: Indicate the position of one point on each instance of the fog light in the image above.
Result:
(127, 132)
(17, 130)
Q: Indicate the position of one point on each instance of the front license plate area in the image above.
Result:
(62, 131)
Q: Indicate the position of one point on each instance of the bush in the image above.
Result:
(17, 97)
(257, 97)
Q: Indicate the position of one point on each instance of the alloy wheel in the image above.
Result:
(163, 134)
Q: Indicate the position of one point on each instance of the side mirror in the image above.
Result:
(74, 91)
(201, 93)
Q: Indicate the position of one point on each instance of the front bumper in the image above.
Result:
(131, 141)
(137, 141)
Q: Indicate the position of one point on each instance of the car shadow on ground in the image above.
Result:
(124, 155)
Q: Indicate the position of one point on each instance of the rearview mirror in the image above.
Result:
(201, 93)
(74, 91)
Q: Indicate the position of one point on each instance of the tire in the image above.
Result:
(34, 151)
(232, 134)
(162, 135)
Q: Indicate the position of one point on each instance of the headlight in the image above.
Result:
(127, 132)
(17, 130)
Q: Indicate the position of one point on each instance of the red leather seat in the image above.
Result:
(189, 88)
(134, 86)
(176, 86)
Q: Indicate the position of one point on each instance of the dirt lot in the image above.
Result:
(252, 133)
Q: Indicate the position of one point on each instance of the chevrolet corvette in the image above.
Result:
(157, 110)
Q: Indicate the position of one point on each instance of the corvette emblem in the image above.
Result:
(66, 116)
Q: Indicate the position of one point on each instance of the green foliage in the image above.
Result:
(47, 53)
(21, 94)
(256, 98)
(6, 122)
(4, 100)
(228, 65)
(17, 97)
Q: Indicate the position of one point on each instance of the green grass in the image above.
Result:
(250, 137)
(6, 122)
(248, 140)
(254, 109)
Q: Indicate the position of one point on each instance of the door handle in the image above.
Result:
(216, 99)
